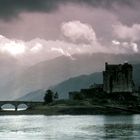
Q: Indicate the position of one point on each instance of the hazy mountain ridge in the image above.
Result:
(72, 84)
(37, 95)
(52, 72)
(77, 83)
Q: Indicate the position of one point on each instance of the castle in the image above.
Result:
(118, 78)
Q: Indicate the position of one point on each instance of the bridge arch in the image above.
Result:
(8, 106)
(22, 106)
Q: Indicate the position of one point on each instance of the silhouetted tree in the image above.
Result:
(56, 96)
(48, 98)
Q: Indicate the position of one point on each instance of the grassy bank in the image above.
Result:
(68, 107)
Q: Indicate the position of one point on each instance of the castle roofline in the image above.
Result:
(114, 67)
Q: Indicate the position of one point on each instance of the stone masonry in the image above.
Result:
(118, 78)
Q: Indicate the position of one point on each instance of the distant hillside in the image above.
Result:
(75, 84)
(37, 95)
(72, 84)
(52, 72)
(17, 80)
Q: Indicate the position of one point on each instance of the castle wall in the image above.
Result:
(118, 78)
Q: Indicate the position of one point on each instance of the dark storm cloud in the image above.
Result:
(11, 8)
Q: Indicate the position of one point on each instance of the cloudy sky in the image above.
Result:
(36, 30)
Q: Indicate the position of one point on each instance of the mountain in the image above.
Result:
(52, 72)
(77, 83)
(37, 95)
(72, 84)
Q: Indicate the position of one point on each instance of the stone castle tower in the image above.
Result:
(118, 78)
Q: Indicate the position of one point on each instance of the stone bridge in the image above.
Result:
(29, 104)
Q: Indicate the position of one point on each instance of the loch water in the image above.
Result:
(68, 127)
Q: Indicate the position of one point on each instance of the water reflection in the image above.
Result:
(92, 127)
(119, 127)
